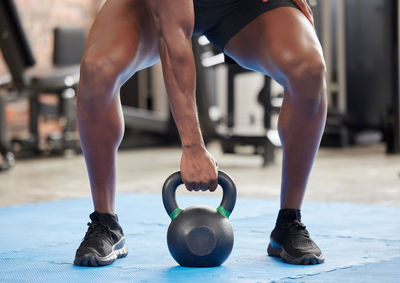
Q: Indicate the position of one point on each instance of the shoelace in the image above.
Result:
(296, 227)
(95, 229)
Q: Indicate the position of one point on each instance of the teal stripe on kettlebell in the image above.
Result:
(223, 212)
(175, 213)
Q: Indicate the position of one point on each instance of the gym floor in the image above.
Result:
(355, 175)
(45, 206)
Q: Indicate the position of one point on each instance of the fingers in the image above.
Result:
(305, 8)
(193, 186)
(310, 15)
(213, 185)
(189, 186)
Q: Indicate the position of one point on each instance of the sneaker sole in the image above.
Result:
(276, 250)
(120, 250)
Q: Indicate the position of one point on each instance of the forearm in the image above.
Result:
(180, 80)
(174, 21)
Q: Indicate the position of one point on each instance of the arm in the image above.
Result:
(174, 21)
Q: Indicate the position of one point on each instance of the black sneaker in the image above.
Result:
(104, 241)
(291, 241)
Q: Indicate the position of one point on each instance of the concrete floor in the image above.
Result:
(356, 175)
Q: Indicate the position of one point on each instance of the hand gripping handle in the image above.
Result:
(175, 180)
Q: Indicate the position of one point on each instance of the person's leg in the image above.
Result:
(122, 40)
(283, 44)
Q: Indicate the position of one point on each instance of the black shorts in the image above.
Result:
(220, 20)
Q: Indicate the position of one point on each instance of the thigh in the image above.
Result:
(123, 35)
(275, 43)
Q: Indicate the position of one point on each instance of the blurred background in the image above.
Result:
(41, 46)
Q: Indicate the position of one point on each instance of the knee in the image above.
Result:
(306, 81)
(307, 77)
(99, 76)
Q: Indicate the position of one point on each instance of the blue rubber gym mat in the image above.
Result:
(361, 243)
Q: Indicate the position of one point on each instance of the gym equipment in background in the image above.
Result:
(393, 136)
(360, 39)
(146, 111)
(28, 83)
(199, 236)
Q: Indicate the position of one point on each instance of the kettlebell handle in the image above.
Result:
(175, 180)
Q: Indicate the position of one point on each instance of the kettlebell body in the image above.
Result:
(200, 236)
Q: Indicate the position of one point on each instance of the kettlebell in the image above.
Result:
(199, 236)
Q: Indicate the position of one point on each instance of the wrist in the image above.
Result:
(194, 147)
(192, 140)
